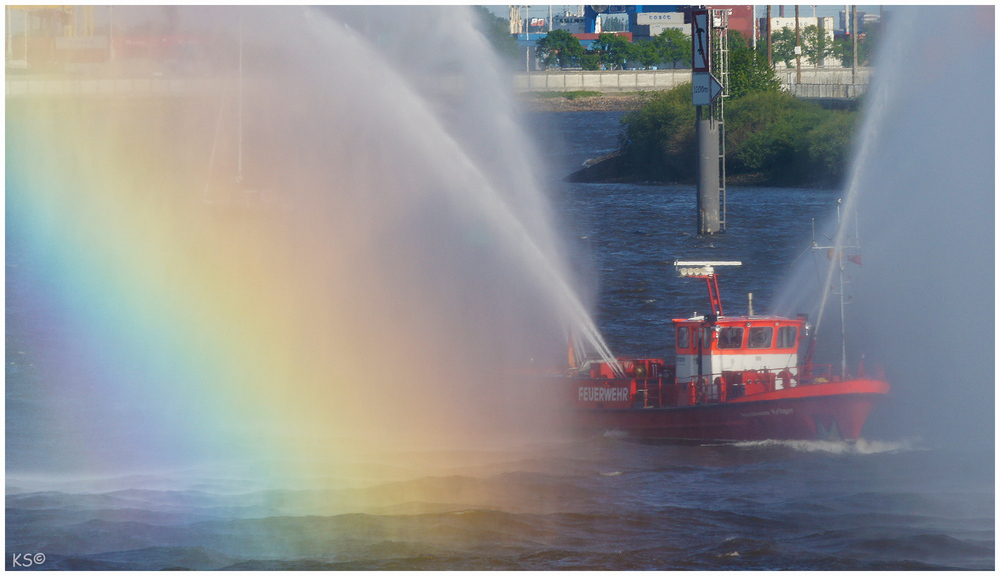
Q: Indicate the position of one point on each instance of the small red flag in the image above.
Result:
(855, 258)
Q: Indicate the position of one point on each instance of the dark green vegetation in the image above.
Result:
(497, 31)
(772, 138)
(673, 48)
(816, 47)
(614, 51)
(559, 48)
(748, 69)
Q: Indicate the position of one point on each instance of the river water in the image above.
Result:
(893, 500)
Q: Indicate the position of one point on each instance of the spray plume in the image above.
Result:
(921, 195)
(385, 260)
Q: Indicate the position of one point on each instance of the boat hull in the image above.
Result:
(834, 410)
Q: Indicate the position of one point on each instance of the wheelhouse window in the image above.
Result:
(760, 337)
(787, 336)
(730, 337)
(683, 338)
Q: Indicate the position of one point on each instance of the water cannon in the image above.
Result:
(701, 268)
(706, 269)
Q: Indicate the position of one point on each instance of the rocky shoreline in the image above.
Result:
(604, 102)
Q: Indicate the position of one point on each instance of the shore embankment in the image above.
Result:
(583, 102)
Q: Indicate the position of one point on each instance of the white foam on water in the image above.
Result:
(860, 446)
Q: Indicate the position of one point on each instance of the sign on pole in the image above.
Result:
(700, 41)
(704, 89)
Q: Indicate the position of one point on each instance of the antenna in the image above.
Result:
(837, 257)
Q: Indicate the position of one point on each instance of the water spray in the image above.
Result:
(489, 202)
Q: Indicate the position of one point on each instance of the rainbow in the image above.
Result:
(174, 327)
(172, 320)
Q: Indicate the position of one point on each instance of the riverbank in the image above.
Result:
(581, 101)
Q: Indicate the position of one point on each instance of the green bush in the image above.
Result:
(771, 138)
(659, 138)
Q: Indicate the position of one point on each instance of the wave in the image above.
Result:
(861, 446)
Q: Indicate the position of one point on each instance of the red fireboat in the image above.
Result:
(735, 378)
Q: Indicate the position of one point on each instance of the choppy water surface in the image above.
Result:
(598, 503)
(885, 502)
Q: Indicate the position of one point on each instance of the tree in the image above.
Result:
(748, 69)
(674, 47)
(783, 46)
(614, 50)
(647, 54)
(816, 47)
(559, 47)
(497, 31)
(867, 45)
(590, 61)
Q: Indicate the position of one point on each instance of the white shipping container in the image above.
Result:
(659, 18)
(656, 29)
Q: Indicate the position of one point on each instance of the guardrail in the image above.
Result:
(830, 91)
(723, 386)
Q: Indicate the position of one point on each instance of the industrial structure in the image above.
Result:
(647, 21)
(46, 38)
(51, 34)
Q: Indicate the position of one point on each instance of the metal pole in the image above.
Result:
(798, 49)
(707, 135)
(843, 332)
(769, 62)
(854, 42)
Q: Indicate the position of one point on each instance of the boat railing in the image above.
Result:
(727, 385)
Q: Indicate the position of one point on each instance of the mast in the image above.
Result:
(836, 254)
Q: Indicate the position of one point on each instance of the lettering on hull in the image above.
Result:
(602, 394)
(771, 412)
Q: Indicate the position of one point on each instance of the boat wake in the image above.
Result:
(861, 446)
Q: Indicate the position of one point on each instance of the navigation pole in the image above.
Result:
(707, 25)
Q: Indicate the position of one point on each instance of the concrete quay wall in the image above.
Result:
(816, 82)
(600, 81)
